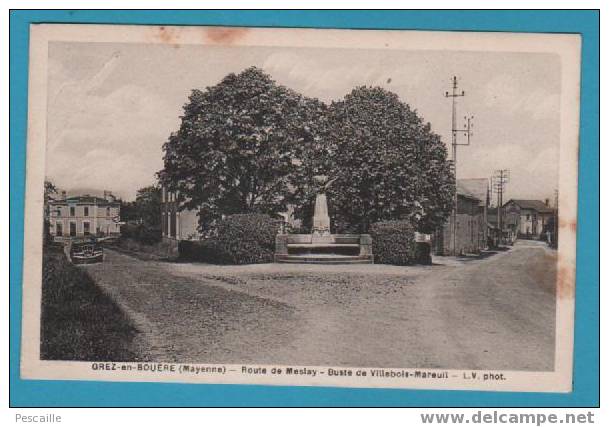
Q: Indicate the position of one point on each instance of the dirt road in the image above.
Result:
(493, 313)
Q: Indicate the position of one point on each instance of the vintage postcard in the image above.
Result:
(351, 208)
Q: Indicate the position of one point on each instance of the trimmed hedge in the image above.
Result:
(238, 239)
(393, 242)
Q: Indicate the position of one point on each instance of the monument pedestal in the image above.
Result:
(321, 238)
(327, 249)
(321, 219)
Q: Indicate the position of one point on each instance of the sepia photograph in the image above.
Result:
(353, 208)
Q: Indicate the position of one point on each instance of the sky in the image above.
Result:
(112, 106)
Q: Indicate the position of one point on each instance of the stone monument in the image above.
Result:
(321, 219)
(320, 246)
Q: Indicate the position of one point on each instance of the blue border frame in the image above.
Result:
(89, 393)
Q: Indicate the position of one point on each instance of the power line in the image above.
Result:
(499, 180)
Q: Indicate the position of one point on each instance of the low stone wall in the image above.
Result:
(365, 245)
(331, 239)
(282, 242)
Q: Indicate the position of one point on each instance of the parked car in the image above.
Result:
(85, 251)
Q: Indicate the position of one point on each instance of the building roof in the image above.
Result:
(464, 191)
(478, 187)
(83, 200)
(536, 205)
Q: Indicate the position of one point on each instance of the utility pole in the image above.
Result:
(467, 131)
(500, 178)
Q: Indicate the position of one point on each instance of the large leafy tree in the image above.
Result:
(313, 160)
(436, 182)
(386, 163)
(237, 148)
(148, 206)
(50, 191)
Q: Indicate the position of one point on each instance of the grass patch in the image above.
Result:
(80, 322)
(159, 251)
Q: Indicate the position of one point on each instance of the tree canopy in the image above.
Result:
(249, 145)
(237, 146)
(50, 190)
(386, 163)
(148, 205)
(145, 209)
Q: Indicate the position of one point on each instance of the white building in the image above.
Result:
(177, 225)
(80, 216)
(528, 218)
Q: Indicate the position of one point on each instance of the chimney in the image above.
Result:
(108, 196)
(63, 195)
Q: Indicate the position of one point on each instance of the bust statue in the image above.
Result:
(323, 183)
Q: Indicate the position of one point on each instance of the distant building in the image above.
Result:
(177, 225)
(80, 216)
(479, 187)
(493, 228)
(527, 218)
(471, 226)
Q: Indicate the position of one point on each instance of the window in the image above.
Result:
(72, 211)
(72, 229)
(59, 229)
(108, 211)
(86, 228)
(528, 217)
(86, 210)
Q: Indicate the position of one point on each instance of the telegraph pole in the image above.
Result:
(500, 178)
(467, 131)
